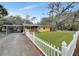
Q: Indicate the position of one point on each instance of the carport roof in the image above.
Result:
(23, 25)
(28, 25)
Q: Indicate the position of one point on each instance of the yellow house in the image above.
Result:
(38, 28)
(44, 28)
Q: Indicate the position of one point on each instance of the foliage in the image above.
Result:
(45, 21)
(33, 19)
(62, 17)
(10, 20)
(27, 21)
(3, 11)
(58, 10)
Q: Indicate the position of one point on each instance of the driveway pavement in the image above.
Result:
(17, 44)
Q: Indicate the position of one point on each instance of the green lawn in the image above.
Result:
(56, 38)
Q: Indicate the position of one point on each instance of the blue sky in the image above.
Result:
(27, 8)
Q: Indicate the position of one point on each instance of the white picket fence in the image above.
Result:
(51, 50)
(71, 47)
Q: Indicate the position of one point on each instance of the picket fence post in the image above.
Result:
(57, 52)
(64, 49)
(54, 51)
(51, 50)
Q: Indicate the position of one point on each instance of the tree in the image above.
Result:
(27, 20)
(45, 21)
(33, 19)
(75, 20)
(57, 9)
(18, 20)
(3, 11)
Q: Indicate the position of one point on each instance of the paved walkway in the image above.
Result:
(17, 44)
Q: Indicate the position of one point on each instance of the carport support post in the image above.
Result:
(6, 32)
(64, 49)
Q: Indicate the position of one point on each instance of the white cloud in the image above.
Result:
(30, 7)
(27, 7)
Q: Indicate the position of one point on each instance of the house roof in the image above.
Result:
(12, 25)
(30, 25)
(37, 25)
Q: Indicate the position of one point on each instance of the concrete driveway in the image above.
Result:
(17, 44)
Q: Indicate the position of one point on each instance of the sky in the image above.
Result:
(34, 9)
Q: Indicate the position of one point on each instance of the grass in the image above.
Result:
(56, 38)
